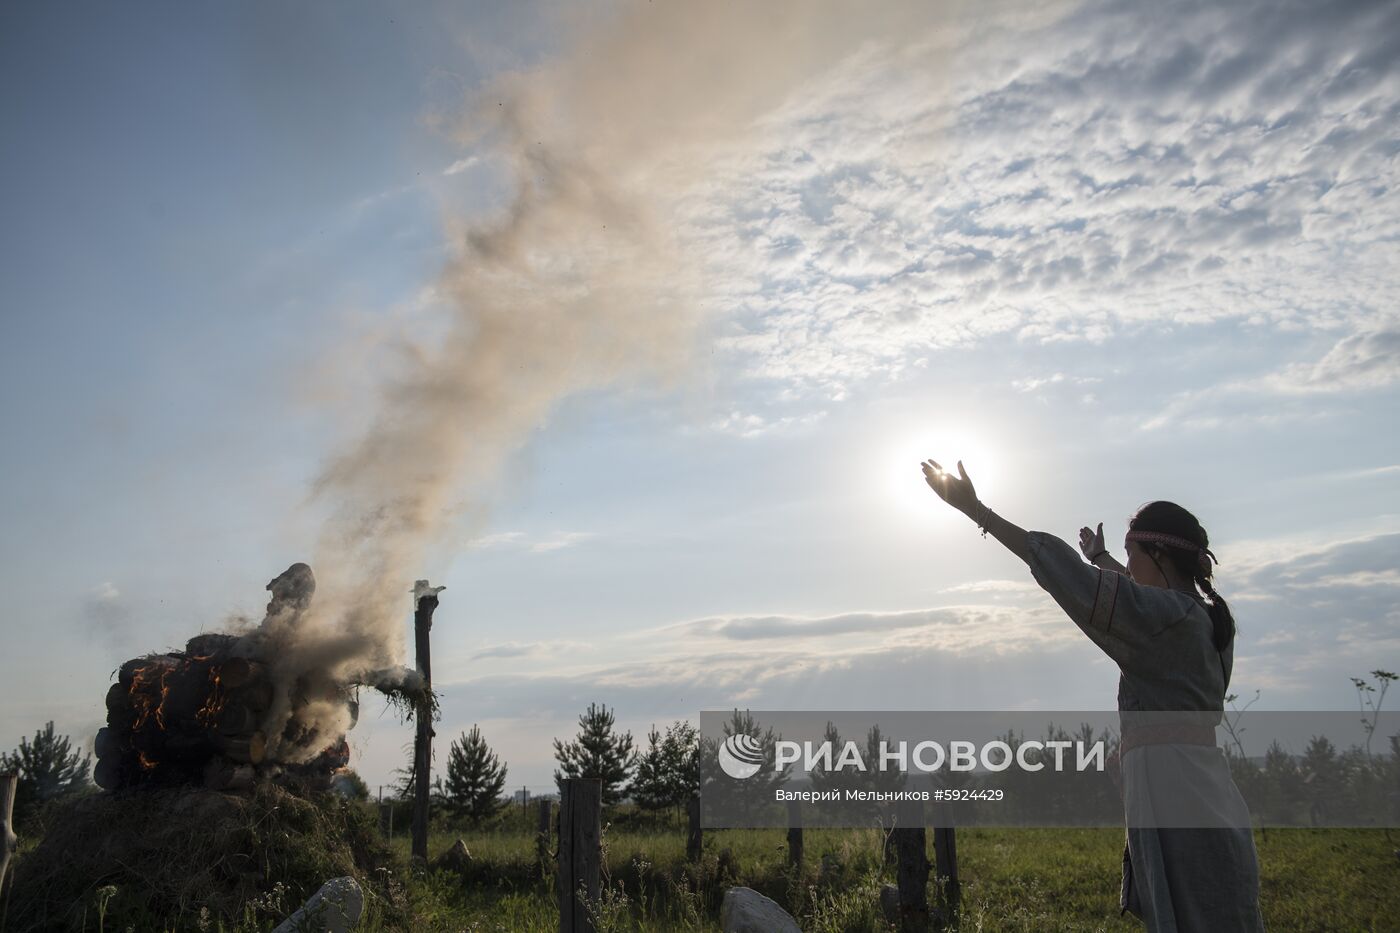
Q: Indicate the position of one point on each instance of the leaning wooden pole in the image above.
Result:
(9, 783)
(425, 600)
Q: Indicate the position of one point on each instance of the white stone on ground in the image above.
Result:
(336, 908)
(746, 911)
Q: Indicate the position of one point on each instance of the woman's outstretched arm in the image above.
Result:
(958, 492)
(1092, 546)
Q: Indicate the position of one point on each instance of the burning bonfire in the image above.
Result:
(233, 709)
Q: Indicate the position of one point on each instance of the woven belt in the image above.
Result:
(1167, 734)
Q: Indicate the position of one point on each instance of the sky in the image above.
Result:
(656, 309)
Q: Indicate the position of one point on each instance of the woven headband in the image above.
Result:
(1156, 537)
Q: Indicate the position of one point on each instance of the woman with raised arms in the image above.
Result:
(1161, 621)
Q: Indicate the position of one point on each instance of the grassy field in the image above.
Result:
(1028, 879)
(233, 864)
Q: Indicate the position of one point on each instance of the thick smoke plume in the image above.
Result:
(581, 281)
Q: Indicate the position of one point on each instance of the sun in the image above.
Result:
(903, 483)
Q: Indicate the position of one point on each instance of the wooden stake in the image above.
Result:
(426, 601)
(580, 853)
(694, 840)
(9, 783)
(794, 837)
(542, 839)
(945, 853)
(912, 870)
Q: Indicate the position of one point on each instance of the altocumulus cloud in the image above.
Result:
(1314, 616)
(1079, 176)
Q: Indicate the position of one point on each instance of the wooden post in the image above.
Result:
(794, 813)
(9, 783)
(542, 839)
(425, 600)
(912, 869)
(945, 854)
(580, 853)
(694, 841)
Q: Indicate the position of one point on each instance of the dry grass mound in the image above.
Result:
(187, 858)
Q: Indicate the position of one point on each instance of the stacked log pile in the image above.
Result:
(198, 716)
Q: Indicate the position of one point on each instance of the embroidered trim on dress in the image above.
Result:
(1101, 616)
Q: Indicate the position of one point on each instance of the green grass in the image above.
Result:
(1012, 879)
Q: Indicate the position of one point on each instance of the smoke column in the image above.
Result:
(582, 281)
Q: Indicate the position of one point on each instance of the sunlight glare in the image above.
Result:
(904, 486)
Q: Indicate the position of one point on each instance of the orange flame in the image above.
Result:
(208, 714)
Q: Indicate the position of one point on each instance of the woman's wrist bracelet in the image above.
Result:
(979, 515)
(1095, 558)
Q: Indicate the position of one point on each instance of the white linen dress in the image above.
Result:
(1174, 878)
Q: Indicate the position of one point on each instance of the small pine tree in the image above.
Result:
(885, 780)
(475, 778)
(47, 768)
(680, 755)
(668, 772)
(597, 753)
(649, 789)
(742, 799)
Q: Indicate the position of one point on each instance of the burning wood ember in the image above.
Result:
(225, 713)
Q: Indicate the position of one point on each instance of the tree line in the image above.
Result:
(1323, 785)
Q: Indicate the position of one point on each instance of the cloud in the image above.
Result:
(871, 676)
(1355, 363)
(751, 424)
(562, 540)
(1035, 383)
(518, 540)
(528, 649)
(995, 587)
(955, 629)
(1074, 182)
(1313, 614)
(1368, 360)
(1310, 616)
(1365, 472)
(461, 165)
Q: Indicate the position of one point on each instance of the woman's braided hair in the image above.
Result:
(1171, 519)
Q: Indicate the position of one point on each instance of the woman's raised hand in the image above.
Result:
(1091, 542)
(957, 491)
